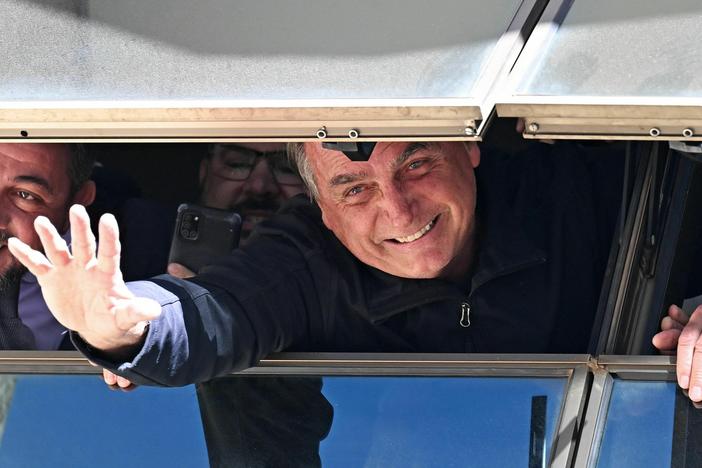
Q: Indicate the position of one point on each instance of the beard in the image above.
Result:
(10, 279)
(13, 273)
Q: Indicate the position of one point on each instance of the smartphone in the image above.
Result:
(202, 235)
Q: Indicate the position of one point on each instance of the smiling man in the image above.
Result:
(36, 180)
(408, 211)
(408, 248)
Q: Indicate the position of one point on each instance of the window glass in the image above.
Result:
(133, 50)
(381, 421)
(639, 427)
(76, 421)
(629, 48)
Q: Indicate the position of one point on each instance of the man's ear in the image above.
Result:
(473, 153)
(85, 195)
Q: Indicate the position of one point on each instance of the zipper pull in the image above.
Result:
(465, 315)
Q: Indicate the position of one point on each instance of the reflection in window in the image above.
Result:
(377, 421)
(639, 428)
(75, 421)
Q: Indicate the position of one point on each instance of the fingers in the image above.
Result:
(667, 340)
(689, 362)
(116, 382)
(82, 238)
(179, 271)
(55, 247)
(35, 261)
(677, 314)
(669, 324)
(109, 377)
(109, 250)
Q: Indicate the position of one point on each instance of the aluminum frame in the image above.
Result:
(623, 367)
(275, 120)
(593, 117)
(575, 368)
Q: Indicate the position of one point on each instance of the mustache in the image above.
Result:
(5, 235)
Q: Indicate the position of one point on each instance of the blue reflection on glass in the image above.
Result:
(76, 421)
(439, 421)
(639, 428)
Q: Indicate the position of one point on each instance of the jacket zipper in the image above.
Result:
(465, 315)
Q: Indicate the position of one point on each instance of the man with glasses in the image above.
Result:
(252, 179)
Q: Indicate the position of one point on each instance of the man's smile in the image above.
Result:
(417, 235)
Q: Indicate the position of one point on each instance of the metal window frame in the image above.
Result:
(659, 368)
(276, 120)
(650, 274)
(593, 117)
(576, 368)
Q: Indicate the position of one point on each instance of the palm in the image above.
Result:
(86, 292)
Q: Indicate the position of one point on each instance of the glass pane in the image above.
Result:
(379, 421)
(76, 421)
(622, 48)
(639, 428)
(256, 49)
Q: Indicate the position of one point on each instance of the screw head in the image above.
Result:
(533, 127)
(470, 131)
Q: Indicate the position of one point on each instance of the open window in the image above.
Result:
(185, 75)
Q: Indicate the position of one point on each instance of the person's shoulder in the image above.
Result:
(298, 221)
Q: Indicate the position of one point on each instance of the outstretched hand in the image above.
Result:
(85, 292)
(678, 331)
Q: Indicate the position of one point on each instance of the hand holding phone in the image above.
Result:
(202, 235)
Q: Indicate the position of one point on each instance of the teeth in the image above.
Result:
(416, 235)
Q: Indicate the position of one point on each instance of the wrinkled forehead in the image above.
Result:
(329, 162)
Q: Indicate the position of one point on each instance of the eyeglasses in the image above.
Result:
(234, 162)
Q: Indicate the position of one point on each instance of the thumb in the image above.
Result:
(133, 314)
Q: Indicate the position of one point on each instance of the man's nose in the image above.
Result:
(261, 180)
(397, 206)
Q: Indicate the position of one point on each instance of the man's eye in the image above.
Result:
(416, 164)
(353, 191)
(26, 195)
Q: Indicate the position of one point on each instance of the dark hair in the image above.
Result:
(80, 166)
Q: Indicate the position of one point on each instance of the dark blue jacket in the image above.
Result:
(542, 246)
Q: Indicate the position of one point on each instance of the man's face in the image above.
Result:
(252, 179)
(33, 181)
(409, 210)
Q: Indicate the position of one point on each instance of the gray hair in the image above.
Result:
(298, 160)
